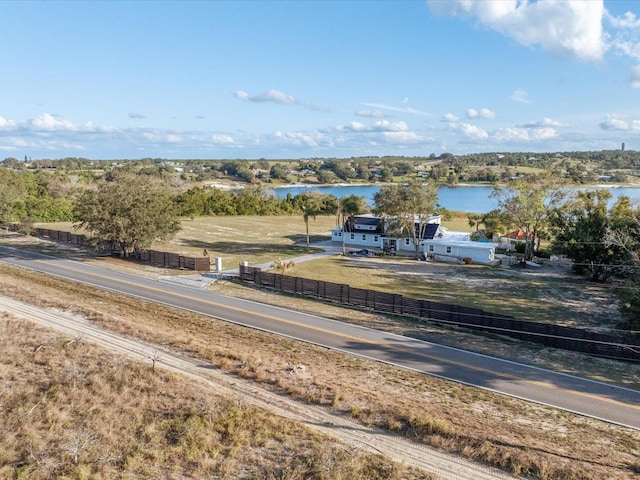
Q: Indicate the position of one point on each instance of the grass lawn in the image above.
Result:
(255, 239)
(548, 295)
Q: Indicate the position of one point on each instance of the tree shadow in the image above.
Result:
(252, 248)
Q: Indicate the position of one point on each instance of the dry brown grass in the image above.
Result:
(518, 436)
(256, 239)
(71, 410)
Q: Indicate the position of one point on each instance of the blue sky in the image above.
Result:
(296, 79)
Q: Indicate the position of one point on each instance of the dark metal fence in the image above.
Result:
(623, 347)
(152, 257)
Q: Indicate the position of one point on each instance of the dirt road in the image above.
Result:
(440, 464)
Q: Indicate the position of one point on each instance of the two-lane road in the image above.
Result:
(599, 400)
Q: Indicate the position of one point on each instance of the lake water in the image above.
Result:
(464, 198)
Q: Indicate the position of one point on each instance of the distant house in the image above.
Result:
(511, 239)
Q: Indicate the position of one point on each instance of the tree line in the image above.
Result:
(446, 168)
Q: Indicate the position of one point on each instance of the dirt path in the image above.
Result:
(440, 464)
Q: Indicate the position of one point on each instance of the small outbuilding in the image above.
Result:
(446, 250)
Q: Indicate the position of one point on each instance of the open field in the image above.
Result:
(73, 410)
(253, 238)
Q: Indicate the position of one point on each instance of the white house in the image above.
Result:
(459, 251)
(368, 231)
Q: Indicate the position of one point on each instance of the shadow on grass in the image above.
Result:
(251, 248)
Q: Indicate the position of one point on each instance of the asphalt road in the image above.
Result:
(594, 399)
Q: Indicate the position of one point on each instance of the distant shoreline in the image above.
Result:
(235, 186)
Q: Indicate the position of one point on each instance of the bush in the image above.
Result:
(544, 253)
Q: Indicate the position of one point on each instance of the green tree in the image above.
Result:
(386, 175)
(132, 213)
(192, 203)
(581, 228)
(311, 205)
(11, 192)
(278, 171)
(363, 172)
(526, 205)
(327, 176)
(347, 207)
(32, 196)
(629, 292)
(475, 220)
(408, 208)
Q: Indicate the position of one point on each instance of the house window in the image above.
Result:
(448, 249)
(406, 241)
(375, 238)
(353, 235)
(431, 248)
(364, 237)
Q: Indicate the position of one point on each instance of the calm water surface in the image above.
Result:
(464, 198)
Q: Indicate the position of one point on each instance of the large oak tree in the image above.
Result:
(582, 227)
(526, 205)
(131, 212)
(407, 208)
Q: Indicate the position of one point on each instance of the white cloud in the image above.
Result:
(616, 123)
(47, 122)
(635, 77)
(521, 96)
(565, 28)
(523, 134)
(543, 133)
(483, 113)
(401, 137)
(221, 139)
(241, 95)
(624, 39)
(273, 96)
(627, 21)
(449, 117)
(486, 113)
(517, 134)
(392, 108)
(6, 124)
(357, 126)
(370, 113)
(379, 126)
(298, 138)
(386, 126)
(277, 97)
(472, 131)
(545, 122)
(358, 136)
(135, 115)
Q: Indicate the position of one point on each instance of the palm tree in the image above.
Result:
(311, 206)
(347, 207)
